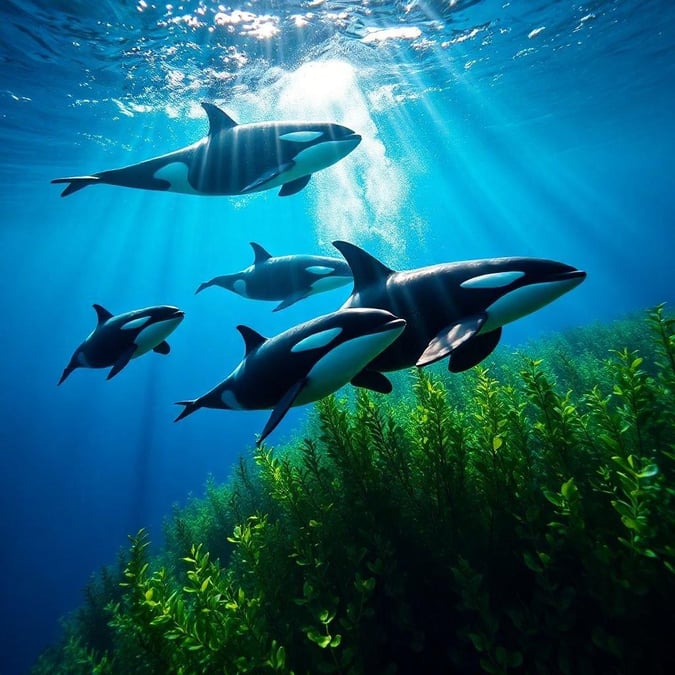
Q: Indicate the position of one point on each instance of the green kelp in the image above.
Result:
(516, 518)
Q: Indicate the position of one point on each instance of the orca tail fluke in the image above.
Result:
(190, 407)
(225, 281)
(66, 371)
(76, 183)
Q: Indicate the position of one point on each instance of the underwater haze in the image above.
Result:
(489, 129)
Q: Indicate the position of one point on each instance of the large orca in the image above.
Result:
(302, 364)
(235, 159)
(118, 339)
(452, 309)
(288, 278)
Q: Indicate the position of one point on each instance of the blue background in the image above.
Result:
(480, 139)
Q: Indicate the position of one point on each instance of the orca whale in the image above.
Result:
(118, 339)
(454, 310)
(287, 278)
(235, 159)
(300, 365)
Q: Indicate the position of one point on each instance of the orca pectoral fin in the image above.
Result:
(76, 183)
(291, 300)
(294, 186)
(473, 351)
(162, 348)
(124, 358)
(373, 380)
(281, 409)
(451, 338)
(267, 176)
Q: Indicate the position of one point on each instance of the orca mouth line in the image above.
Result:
(352, 137)
(178, 314)
(568, 276)
(393, 325)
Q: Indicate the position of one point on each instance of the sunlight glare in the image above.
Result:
(360, 197)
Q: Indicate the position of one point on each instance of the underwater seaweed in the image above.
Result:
(516, 518)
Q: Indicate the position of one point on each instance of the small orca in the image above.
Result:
(300, 365)
(287, 278)
(452, 309)
(235, 159)
(118, 339)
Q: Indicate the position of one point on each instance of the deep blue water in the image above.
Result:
(490, 129)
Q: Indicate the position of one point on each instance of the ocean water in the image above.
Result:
(490, 129)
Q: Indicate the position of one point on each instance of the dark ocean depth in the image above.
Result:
(490, 129)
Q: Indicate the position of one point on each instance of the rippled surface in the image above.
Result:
(162, 53)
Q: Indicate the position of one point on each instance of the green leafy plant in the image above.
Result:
(516, 518)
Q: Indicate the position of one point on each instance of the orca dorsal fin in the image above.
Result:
(260, 254)
(252, 339)
(218, 119)
(102, 313)
(366, 269)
